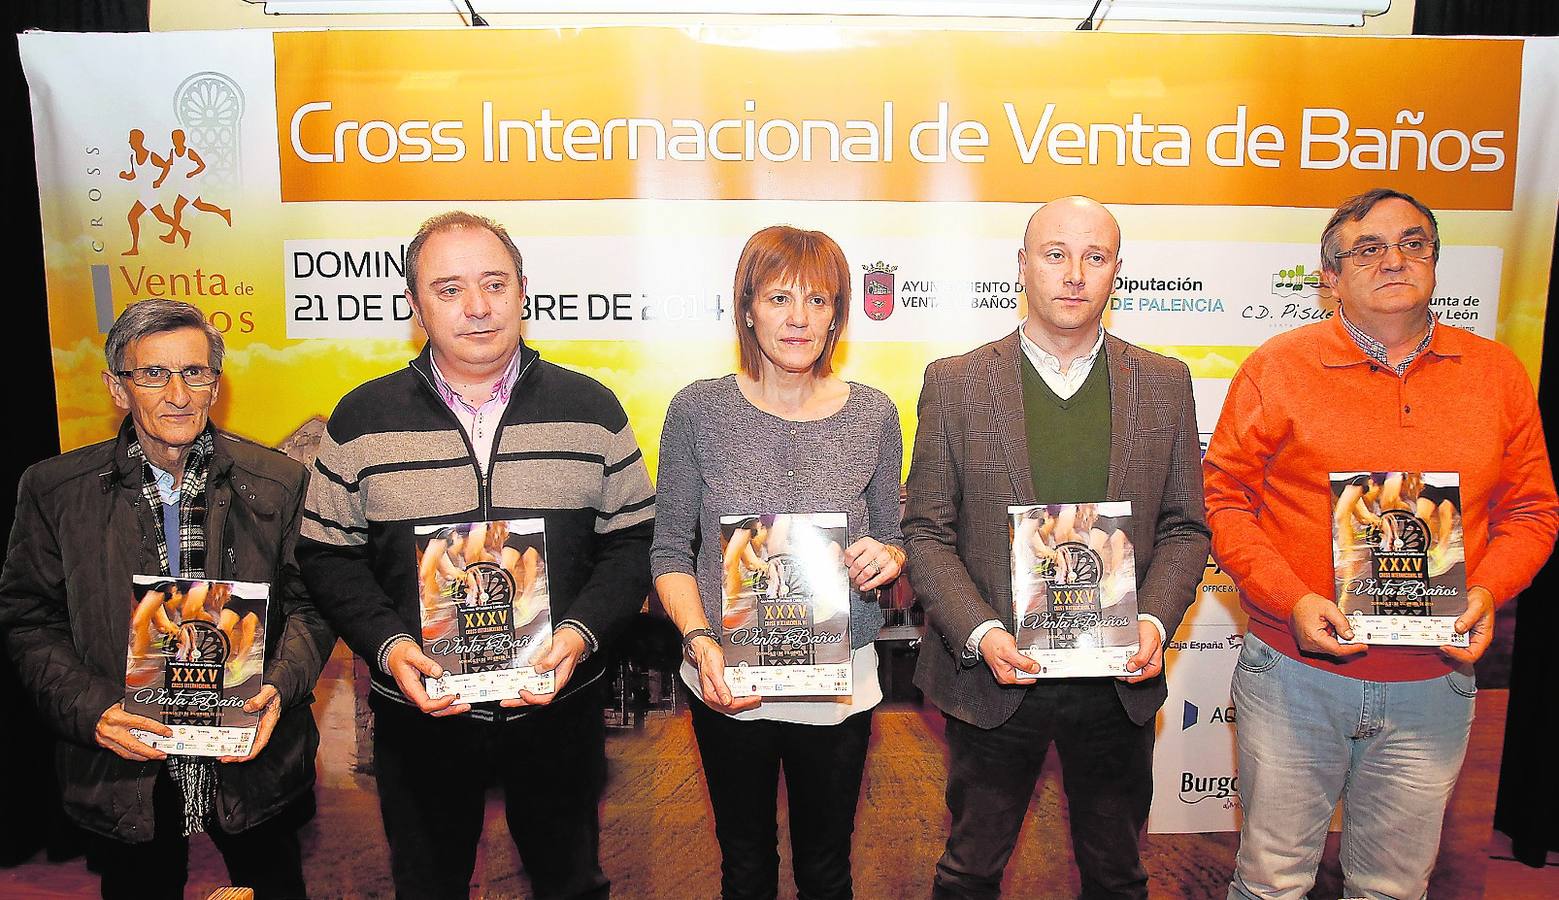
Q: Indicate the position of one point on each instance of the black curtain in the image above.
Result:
(31, 798)
(1527, 807)
(1518, 18)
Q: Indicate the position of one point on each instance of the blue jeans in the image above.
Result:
(1390, 750)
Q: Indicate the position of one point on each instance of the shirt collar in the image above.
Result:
(1376, 350)
(501, 388)
(165, 486)
(170, 491)
(1040, 355)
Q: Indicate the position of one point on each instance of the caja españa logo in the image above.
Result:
(877, 290)
(171, 179)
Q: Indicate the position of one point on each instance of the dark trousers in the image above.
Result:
(267, 857)
(1106, 770)
(433, 775)
(823, 766)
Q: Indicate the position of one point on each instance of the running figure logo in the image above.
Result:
(180, 155)
(209, 107)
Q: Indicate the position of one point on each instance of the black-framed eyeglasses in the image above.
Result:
(159, 376)
(1372, 254)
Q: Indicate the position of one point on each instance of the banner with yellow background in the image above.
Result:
(273, 179)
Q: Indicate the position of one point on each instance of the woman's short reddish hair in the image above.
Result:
(781, 252)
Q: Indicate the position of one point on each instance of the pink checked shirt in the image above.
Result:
(480, 422)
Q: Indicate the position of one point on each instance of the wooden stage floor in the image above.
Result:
(658, 838)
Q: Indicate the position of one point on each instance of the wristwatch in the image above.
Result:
(690, 637)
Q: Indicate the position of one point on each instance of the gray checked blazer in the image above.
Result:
(971, 462)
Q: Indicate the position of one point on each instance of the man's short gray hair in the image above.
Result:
(1354, 209)
(155, 316)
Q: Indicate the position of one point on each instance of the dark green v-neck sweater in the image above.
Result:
(1069, 440)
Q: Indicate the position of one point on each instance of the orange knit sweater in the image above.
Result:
(1309, 402)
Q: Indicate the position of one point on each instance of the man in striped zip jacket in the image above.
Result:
(478, 428)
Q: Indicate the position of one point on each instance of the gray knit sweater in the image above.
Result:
(722, 456)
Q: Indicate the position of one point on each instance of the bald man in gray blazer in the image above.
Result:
(1063, 407)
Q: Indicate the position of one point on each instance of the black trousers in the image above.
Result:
(267, 857)
(433, 775)
(1106, 771)
(823, 767)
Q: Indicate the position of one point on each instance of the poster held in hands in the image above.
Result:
(196, 656)
(1397, 554)
(1074, 588)
(785, 604)
(486, 613)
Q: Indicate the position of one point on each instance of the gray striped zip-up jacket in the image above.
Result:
(394, 456)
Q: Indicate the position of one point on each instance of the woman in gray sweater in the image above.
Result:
(783, 435)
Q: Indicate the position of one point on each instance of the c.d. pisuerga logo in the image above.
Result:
(877, 290)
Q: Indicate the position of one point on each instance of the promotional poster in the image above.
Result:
(196, 656)
(1397, 553)
(785, 601)
(486, 613)
(1074, 588)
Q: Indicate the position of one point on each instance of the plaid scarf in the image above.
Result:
(192, 507)
(195, 776)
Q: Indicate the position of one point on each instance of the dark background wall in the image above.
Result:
(1527, 808)
(32, 430)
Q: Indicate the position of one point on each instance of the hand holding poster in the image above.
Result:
(785, 605)
(486, 614)
(196, 656)
(1074, 588)
(1397, 553)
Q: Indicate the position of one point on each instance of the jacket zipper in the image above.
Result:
(484, 491)
(483, 485)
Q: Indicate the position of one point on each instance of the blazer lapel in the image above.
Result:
(1007, 402)
(1123, 410)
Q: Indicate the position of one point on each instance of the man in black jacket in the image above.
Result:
(169, 496)
(479, 429)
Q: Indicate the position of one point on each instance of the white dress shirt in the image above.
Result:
(1066, 383)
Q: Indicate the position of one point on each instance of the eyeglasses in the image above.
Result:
(1372, 254)
(159, 376)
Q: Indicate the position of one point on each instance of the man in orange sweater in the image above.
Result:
(1379, 387)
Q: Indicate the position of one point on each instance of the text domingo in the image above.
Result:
(319, 268)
